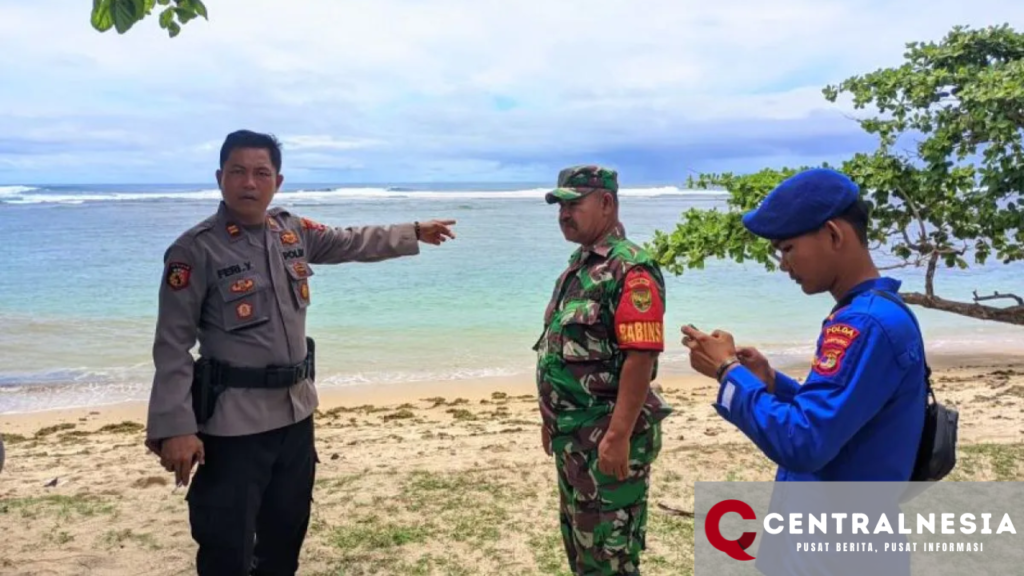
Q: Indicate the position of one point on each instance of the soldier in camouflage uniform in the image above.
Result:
(597, 356)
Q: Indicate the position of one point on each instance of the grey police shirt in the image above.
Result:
(243, 294)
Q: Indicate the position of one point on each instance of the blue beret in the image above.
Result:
(801, 204)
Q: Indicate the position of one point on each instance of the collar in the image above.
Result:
(602, 247)
(884, 283)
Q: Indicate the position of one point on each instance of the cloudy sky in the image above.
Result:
(449, 90)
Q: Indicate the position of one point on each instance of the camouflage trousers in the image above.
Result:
(603, 519)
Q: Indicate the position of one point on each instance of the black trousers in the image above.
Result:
(249, 505)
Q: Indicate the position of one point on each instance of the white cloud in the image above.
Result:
(325, 142)
(403, 89)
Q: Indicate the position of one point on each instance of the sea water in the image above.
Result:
(82, 266)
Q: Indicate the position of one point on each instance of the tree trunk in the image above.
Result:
(1010, 315)
(929, 277)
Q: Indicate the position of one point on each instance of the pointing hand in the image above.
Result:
(436, 231)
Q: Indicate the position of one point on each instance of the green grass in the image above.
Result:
(1000, 462)
(59, 507)
(127, 537)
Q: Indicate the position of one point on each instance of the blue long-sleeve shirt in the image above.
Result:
(860, 412)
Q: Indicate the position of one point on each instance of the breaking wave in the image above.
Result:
(30, 195)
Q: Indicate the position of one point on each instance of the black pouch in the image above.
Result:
(936, 455)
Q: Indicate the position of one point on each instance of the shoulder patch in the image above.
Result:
(308, 224)
(178, 275)
(836, 340)
(639, 315)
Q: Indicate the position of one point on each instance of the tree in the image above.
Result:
(123, 14)
(953, 193)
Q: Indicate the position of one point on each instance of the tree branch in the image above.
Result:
(952, 250)
(924, 244)
(1012, 315)
(675, 511)
(997, 296)
(906, 264)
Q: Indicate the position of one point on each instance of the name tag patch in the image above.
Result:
(641, 332)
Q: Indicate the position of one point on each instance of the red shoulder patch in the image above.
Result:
(836, 340)
(640, 314)
(178, 275)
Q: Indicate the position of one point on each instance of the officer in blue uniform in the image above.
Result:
(860, 412)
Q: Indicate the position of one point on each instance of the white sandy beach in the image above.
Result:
(438, 478)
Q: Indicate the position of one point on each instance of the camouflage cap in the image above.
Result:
(578, 181)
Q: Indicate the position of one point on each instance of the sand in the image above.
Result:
(440, 478)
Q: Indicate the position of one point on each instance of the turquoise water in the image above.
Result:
(83, 264)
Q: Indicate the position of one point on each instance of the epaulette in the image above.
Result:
(192, 233)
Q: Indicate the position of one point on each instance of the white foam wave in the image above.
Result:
(385, 193)
(43, 198)
(26, 195)
(342, 379)
(6, 191)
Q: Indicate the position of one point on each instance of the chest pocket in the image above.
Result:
(245, 301)
(299, 273)
(584, 338)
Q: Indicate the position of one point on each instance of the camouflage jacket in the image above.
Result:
(580, 354)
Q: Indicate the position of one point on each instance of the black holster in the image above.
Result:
(206, 388)
(211, 377)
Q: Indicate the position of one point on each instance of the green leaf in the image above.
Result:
(184, 15)
(166, 17)
(173, 29)
(102, 20)
(200, 8)
(124, 13)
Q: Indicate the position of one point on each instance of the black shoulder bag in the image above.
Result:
(936, 454)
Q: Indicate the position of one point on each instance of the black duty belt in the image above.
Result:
(269, 377)
(227, 376)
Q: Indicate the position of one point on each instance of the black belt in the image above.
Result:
(269, 377)
(228, 376)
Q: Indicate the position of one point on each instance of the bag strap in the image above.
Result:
(927, 370)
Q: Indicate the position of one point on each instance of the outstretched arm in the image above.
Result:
(334, 245)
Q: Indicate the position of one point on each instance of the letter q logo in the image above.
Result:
(736, 549)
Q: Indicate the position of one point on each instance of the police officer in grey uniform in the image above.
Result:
(238, 282)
